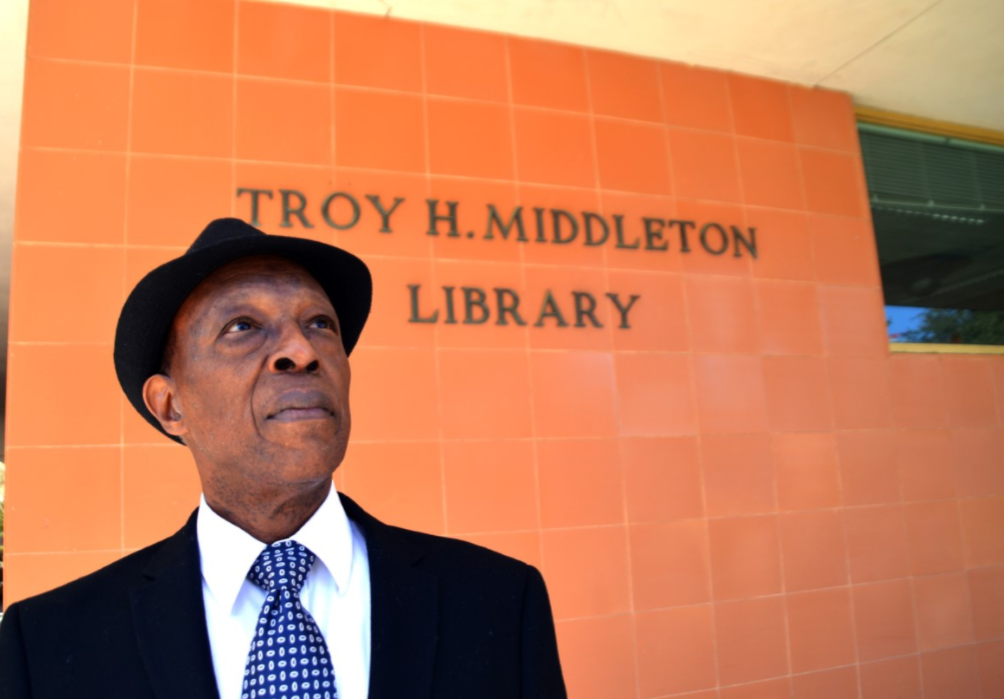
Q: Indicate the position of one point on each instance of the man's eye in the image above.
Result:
(323, 323)
(238, 326)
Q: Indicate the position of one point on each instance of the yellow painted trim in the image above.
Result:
(870, 115)
(932, 348)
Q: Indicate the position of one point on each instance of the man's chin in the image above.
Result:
(306, 439)
(301, 467)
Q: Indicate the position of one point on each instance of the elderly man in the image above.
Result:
(277, 586)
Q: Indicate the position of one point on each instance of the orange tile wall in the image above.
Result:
(744, 495)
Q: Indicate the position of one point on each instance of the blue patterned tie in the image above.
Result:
(288, 657)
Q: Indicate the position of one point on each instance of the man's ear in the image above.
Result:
(161, 398)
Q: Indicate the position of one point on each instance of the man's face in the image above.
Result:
(260, 379)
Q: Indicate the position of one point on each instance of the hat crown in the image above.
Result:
(223, 229)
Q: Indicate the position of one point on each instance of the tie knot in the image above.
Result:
(282, 566)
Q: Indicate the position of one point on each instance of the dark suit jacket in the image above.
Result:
(449, 620)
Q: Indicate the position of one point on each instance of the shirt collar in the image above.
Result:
(227, 551)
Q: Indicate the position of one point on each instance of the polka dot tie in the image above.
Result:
(288, 658)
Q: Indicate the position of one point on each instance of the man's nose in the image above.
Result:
(293, 352)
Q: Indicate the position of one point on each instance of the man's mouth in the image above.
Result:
(294, 414)
(302, 405)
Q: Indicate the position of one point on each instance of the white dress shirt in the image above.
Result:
(336, 593)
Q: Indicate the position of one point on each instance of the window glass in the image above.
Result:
(938, 208)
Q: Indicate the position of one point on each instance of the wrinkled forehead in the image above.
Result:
(249, 274)
(258, 269)
(240, 280)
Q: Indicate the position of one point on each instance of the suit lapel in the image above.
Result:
(404, 611)
(170, 621)
(169, 616)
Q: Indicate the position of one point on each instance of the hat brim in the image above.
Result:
(149, 311)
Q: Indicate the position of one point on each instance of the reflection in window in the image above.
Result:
(938, 208)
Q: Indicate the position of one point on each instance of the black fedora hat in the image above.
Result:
(150, 309)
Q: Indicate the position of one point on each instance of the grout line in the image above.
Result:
(841, 509)
(125, 239)
(30, 554)
(446, 176)
(781, 569)
(542, 265)
(605, 250)
(527, 349)
(332, 104)
(748, 262)
(233, 113)
(436, 348)
(626, 536)
(391, 91)
(916, 634)
(698, 434)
